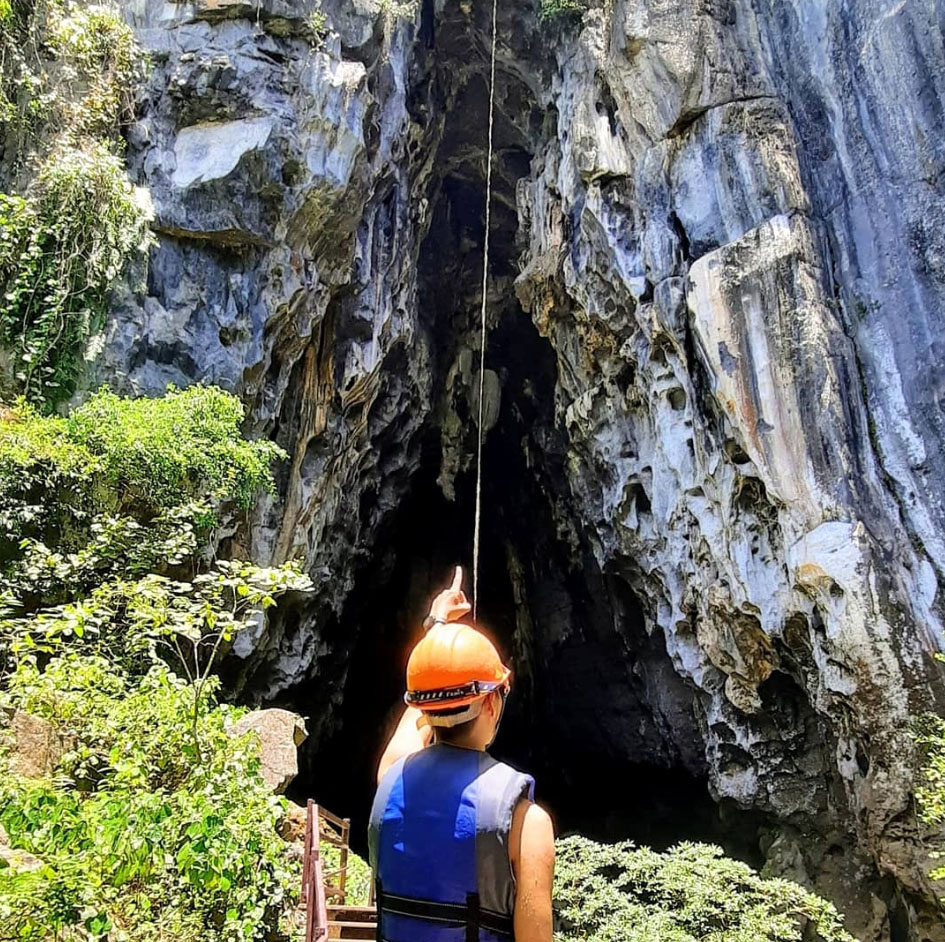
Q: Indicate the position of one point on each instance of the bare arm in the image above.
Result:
(406, 740)
(449, 605)
(532, 852)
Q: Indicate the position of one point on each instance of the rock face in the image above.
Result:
(714, 533)
(37, 746)
(280, 734)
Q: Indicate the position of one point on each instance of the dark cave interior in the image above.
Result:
(597, 714)
(579, 718)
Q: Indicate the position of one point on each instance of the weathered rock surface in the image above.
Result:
(17, 859)
(37, 746)
(716, 502)
(280, 734)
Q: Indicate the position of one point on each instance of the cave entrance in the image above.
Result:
(597, 712)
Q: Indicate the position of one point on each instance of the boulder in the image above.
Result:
(16, 859)
(37, 746)
(292, 824)
(280, 734)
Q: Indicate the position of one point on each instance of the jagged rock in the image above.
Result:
(37, 746)
(280, 734)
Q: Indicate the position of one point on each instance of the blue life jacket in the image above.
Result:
(439, 842)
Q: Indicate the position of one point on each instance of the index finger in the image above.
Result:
(457, 579)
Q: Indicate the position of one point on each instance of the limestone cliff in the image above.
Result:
(714, 534)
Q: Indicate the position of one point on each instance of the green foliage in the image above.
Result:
(156, 824)
(122, 484)
(68, 75)
(358, 876)
(929, 734)
(316, 28)
(398, 9)
(561, 10)
(100, 62)
(98, 508)
(61, 248)
(187, 442)
(138, 839)
(618, 893)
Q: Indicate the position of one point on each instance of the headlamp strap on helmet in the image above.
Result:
(445, 694)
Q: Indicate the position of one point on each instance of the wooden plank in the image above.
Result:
(328, 816)
(334, 841)
(345, 836)
(308, 890)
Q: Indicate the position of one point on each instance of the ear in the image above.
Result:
(495, 702)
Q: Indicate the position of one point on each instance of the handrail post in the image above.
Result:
(343, 859)
(313, 880)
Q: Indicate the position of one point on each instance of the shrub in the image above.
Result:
(561, 10)
(61, 248)
(101, 62)
(156, 825)
(68, 73)
(120, 488)
(138, 839)
(315, 28)
(398, 9)
(929, 733)
(66, 92)
(182, 445)
(619, 893)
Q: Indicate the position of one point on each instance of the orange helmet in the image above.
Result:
(453, 666)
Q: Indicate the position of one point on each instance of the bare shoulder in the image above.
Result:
(532, 835)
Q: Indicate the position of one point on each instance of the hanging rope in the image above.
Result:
(482, 339)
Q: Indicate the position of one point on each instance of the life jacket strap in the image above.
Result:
(453, 915)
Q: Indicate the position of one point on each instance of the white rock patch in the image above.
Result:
(212, 150)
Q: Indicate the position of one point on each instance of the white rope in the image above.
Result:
(482, 339)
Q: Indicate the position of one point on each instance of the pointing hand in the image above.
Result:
(451, 604)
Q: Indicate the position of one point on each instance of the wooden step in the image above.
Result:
(352, 930)
(344, 913)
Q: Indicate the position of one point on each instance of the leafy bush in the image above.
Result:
(68, 77)
(138, 839)
(561, 9)
(185, 443)
(930, 793)
(156, 824)
(619, 893)
(67, 72)
(122, 485)
(101, 62)
(358, 878)
(398, 9)
(316, 28)
(61, 248)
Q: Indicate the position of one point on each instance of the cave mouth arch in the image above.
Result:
(597, 713)
(594, 693)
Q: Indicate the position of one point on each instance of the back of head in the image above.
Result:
(451, 671)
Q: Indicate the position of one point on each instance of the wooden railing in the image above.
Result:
(313, 878)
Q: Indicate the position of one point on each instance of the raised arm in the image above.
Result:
(450, 605)
(406, 740)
